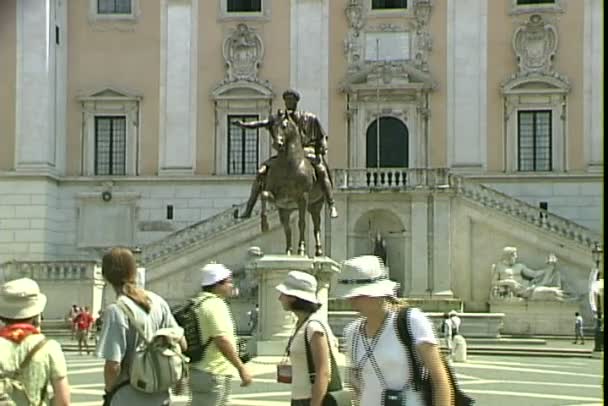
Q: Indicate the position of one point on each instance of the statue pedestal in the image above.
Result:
(275, 324)
(536, 317)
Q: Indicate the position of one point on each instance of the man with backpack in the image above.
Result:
(29, 361)
(210, 376)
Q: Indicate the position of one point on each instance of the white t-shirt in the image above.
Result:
(301, 387)
(390, 355)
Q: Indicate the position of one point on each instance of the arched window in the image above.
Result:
(393, 144)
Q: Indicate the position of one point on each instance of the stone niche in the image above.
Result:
(527, 317)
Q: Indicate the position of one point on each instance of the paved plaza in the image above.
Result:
(492, 380)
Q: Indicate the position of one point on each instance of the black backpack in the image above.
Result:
(187, 317)
(422, 379)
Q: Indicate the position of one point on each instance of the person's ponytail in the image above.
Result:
(138, 295)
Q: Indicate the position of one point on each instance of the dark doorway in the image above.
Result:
(394, 139)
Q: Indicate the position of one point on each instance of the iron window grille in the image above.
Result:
(243, 146)
(534, 140)
(114, 6)
(388, 4)
(110, 145)
(244, 6)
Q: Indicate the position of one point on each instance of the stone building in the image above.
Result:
(455, 128)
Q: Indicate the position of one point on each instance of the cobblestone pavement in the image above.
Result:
(492, 380)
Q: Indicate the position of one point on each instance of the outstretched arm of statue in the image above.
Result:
(253, 124)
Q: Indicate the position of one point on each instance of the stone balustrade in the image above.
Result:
(528, 213)
(390, 178)
(50, 270)
(194, 233)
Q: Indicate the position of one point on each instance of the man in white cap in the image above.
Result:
(210, 377)
(25, 350)
(455, 322)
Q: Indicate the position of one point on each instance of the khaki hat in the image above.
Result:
(301, 285)
(213, 273)
(21, 299)
(364, 276)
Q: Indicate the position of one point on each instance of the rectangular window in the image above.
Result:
(534, 140)
(110, 145)
(388, 4)
(526, 2)
(242, 147)
(244, 6)
(113, 6)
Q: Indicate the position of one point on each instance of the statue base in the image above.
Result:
(536, 317)
(275, 324)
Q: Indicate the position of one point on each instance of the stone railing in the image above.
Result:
(49, 270)
(390, 178)
(504, 203)
(196, 232)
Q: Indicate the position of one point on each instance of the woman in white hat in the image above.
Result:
(21, 306)
(378, 361)
(299, 296)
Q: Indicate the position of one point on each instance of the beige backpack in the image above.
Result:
(12, 390)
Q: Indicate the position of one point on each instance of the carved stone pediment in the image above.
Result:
(109, 93)
(243, 52)
(393, 74)
(535, 44)
(536, 82)
(242, 89)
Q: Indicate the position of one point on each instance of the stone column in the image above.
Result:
(419, 253)
(467, 84)
(178, 85)
(309, 58)
(41, 86)
(442, 277)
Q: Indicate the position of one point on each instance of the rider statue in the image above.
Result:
(314, 142)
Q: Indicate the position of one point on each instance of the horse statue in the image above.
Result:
(291, 185)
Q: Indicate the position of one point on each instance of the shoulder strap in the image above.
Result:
(403, 330)
(30, 355)
(129, 313)
(335, 382)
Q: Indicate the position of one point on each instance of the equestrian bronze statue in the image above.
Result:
(297, 177)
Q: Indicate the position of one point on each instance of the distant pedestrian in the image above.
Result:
(83, 322)
(29, 362)
(578, 328)
(98, 325)
(455, 322)
(72, 313)
(253, 319)
(446, 331)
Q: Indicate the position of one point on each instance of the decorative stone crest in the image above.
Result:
(354, 15)
(243, 53)
(535, 44)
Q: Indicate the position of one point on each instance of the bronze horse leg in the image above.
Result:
(302, 208)
(284, 215)
(315, 213)
(266, 196)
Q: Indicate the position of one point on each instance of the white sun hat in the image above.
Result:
(21, 299)
(301, 285)
(214, 273)
(364, 276)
